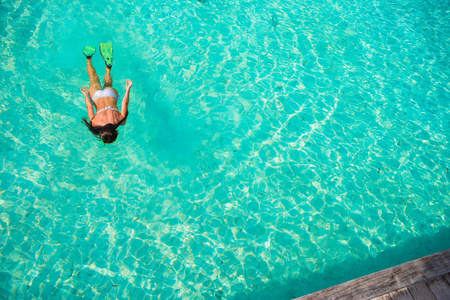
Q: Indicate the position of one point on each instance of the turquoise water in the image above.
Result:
(273, 148)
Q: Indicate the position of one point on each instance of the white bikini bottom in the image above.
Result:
(107, 92)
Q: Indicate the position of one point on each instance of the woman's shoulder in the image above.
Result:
(109, 116)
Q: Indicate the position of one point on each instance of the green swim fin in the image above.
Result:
(89, 51)
(106, 49)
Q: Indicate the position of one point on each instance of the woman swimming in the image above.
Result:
(104, 123)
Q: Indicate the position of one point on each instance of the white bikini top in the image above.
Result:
(107, 108)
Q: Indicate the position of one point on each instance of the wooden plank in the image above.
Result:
(388, 280)
(383, 297)
(440, 288)
(421, 291)
(401, 294)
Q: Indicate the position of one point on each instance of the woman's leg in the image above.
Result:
(95, 84)
(108, 81)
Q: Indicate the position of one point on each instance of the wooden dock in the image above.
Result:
(426, 278)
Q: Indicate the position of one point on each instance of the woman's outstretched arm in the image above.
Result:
(89, 106)
(126, 99)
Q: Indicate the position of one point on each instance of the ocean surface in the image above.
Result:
(273, 148)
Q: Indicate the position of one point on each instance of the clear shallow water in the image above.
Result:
(274, 148)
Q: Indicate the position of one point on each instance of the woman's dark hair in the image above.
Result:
(107, 133)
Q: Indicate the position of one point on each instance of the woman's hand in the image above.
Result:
(85, 91)
(129, 84)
